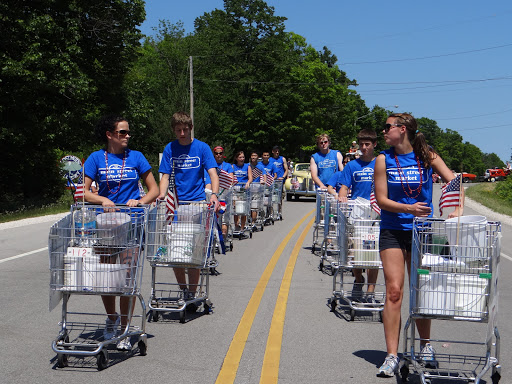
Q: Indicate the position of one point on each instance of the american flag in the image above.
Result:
(450, 195)
(373, 200)
(270, 180)
(226, 180)
(256, 173)
(79, 192)
(171, 202)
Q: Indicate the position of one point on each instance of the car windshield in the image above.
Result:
(302, 167)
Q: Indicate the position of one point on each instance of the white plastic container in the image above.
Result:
(240, 207)
(470, 296)
(114, 228)
(436, 294)
(470, 244)
(366, 246)
(184, 245)
(72, 273)
(99, 277)
(189, 213)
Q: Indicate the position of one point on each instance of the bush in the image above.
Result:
(504, 189)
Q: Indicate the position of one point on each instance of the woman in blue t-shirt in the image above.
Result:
(243, 173)
(403, 188)
(117, 170)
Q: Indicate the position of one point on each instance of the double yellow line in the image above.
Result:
(270, 367)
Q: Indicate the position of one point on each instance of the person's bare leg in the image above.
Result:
(393, 262)
(372, 279)
(193, 279)
(180, 277)
(109, 302)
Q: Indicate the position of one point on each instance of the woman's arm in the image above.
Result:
(151, 185)
(95, 198)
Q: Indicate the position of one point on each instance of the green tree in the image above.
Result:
(61, 65)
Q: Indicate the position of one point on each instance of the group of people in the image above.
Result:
(116, 172)
(402, 179)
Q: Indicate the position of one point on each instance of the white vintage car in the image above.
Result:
(300, 184)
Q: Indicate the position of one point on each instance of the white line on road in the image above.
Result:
(506, 256)
(23, 255)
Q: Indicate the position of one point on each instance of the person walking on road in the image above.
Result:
(403, 188)
(188, 158)
(116, 170)
(324, 163)
(243, 173)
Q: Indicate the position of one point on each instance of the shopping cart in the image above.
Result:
(318, 227)
(241, 207)
(454, 276)
(96, 251)
(225, 220)
(358, 234)
(267, 204)
(277, 200)
(330, 249)
(257, 207)
(183, 241)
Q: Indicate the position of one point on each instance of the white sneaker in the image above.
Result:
(110, 330)
(124, 344)
(428, 356)
(390, 366)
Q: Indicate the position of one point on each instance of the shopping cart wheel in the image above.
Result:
(250, 234)
(352, 314)
(321, 266)
(404, 372)
(333, 304)
(495, 378)
(143, 347)
(154, 316)
(313, 248)
(102, 360)
(62, 360)
(380, 316)
(182, 317)
(231, 246)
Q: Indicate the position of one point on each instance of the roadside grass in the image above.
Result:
(24, 213)
(484, 194)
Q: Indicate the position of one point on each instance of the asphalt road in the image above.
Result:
(314, 346)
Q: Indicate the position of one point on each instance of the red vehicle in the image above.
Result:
(467, 177)
(496, 174)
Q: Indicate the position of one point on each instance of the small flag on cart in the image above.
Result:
(171, 202)
(373, 201)
(450, 195)
(226, 179)
(79, 192)
(270, 180)
(256, 173)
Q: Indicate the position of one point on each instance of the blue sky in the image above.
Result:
(450, 61)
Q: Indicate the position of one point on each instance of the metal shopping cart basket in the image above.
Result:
(182, 240)
(257, 207)
(329, 249)
(318, 227)
(454, 276)
(267, 204)
(358, 234)
(241, 207)
(96, 251)
(277, 200)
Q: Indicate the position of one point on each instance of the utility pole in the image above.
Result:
(191, 67)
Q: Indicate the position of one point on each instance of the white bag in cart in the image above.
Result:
(436, 294)
(114, 228)
(183, 243)
(471, 237)
(100, 277)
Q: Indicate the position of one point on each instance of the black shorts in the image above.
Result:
(392, 238)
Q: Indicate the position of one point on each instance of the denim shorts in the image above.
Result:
(392, 238)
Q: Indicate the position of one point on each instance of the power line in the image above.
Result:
(471, 117)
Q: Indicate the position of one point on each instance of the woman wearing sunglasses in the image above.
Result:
(117, 170)
(403, 188)
(325, 162)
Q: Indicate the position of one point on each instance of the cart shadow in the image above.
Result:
(174, 317)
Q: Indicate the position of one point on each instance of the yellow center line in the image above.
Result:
(231, 362)
(270, 367)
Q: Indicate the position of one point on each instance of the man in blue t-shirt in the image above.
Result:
(188, 158)
(279, 163)
(325, 162)
(357, 176)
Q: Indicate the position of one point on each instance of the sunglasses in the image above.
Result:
(324, 142)
(123, 132)
(387, 127)
(218, 153)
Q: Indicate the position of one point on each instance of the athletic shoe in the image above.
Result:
(110, 330)
(370, 298)
(390, 366)
(124, 344)
(428, 356)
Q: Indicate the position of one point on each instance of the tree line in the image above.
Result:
(64, 64)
